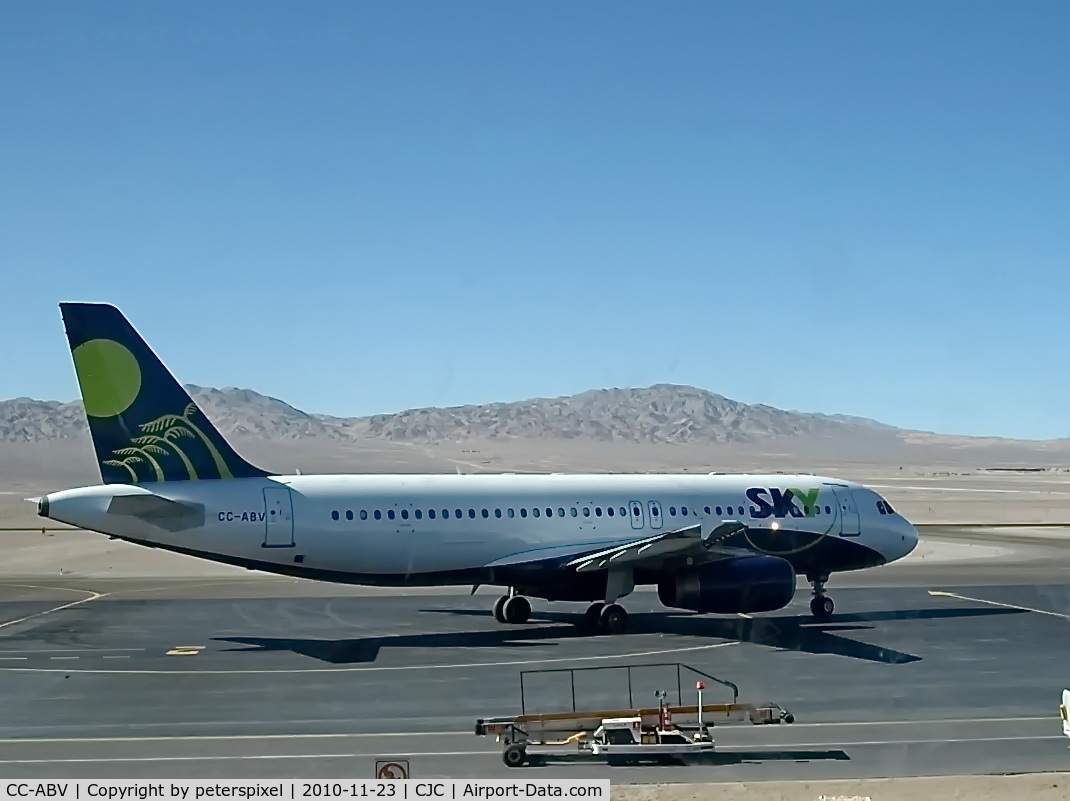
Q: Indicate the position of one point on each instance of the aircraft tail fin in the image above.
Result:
(145, 426)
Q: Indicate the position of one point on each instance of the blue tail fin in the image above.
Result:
(145, 426)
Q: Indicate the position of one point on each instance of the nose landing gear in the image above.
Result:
(821, 605)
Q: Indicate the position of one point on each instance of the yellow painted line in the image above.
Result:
(942, 594)
(185, 650)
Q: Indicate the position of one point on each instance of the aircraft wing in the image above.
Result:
(697, 539)
(666, 543)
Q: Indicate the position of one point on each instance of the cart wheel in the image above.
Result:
(514, 755)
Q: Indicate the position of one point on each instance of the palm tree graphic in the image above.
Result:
(167, 440)
(171, 421)
(147, 452)
(129, 460)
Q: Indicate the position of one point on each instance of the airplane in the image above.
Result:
(717, 543)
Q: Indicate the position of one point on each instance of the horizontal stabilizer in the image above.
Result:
(161, 512)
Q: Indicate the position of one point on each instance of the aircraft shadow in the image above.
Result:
(783, 632)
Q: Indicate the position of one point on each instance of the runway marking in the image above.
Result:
(66, 650)
(63, 657)
(967, 489)
(93, 596)
(495, 752)
(942, 594)
(185, 650)
(166, 738)
(384, 668)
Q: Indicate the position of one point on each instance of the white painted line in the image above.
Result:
(966, 489)
(166, 738)
(68, 650)
(63, 657)
(467, 666)
(942, 594)
(13, 657)
(495, 752)
(122, 656)
(234, 737)
(93, 596)
(214, 758)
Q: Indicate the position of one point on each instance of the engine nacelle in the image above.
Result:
(738, 584)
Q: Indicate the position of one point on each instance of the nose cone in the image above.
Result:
(901, 540)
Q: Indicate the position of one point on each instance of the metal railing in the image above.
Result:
(680, 668)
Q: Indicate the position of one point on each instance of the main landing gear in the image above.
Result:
(512, 609)
(821, 606)
(602, 617)
(607, 618)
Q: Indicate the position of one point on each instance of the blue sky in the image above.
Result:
(356, 207)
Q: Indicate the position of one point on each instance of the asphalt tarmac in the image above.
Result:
(938, 668)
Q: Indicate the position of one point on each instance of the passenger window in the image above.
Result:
(458, 513)
(609, 511)
(497, 512)
(431, 513)
(509, 512)
(741, 511)
(523, 512)
(706, 509)
(654, 510)
(378, 515)
(419, 515)
(334, 515)
(363, 514)
(672, 511)
(536, 511)
(390, 514)
(828, 510)
(683, 511)
(718, 510)
(486, 514)
(472, 514)
(549, 511)
(404, 514)
(636, 512)
(586, 511)
(349, 514)
(573, 511)
(624, 512)
(598, 511)
(560, 512)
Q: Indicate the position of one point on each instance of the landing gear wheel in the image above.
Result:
(514, 755)
(499, 609)
(822, 607)
(593, 615)
(517, 610)
(614, 619)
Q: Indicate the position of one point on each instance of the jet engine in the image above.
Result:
(738, 584)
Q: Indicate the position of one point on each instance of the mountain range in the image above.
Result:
(664, 413)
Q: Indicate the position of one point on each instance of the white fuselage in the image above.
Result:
(432, 529)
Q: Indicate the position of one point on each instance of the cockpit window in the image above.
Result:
(884, 507)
